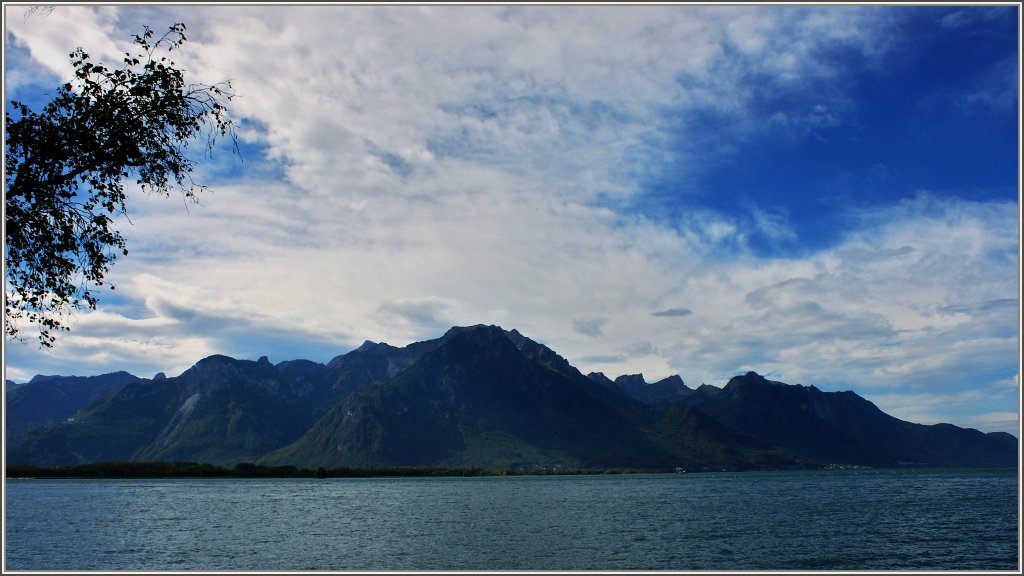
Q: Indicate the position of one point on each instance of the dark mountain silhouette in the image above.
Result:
(477, 396)
(700, 394)
(842, 427)
(662, 393)
(221, 411)
(490, 398)
(51, 399)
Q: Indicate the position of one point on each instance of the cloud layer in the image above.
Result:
(412, 168)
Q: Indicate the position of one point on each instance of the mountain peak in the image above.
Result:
(659, 394)
(215, 359)
(486, 339)
(212, 370)
(476, 328)
(367, 349)
(366, 345)
(675, 380)
(631, 379)
(751, 379)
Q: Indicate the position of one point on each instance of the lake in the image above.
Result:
(803, 520)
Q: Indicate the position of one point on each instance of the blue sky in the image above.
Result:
(827, 195)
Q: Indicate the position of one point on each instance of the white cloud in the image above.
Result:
(977, 407)
(459, 165)
(672, 313)
(774, 225)
(871, 312)
(589, 326)
(46, 37)
(417, 314)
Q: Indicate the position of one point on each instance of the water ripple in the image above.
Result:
(870, 520)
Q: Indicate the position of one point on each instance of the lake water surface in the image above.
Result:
(806, 520)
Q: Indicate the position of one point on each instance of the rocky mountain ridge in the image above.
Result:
(477, 396)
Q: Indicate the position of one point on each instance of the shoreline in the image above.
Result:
(193, 470)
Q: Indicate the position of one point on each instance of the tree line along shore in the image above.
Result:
(250, 470)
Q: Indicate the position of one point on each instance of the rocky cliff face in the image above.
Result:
(662, 393)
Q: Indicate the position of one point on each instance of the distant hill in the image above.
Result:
(51, 399)
(842, 427)
(478, 396)
(220, 411)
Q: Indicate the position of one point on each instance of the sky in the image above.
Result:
(826, 195)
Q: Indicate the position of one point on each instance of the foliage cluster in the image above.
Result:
(67, 166)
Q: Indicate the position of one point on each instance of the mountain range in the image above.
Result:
(478, 396)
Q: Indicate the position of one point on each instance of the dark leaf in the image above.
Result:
(66, 166)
